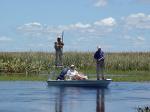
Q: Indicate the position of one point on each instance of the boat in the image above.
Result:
(80, 83)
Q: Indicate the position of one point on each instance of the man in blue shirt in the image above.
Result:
(99, 57)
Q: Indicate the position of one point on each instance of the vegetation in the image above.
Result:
(22, 77)
(143, 109)
(129, 63)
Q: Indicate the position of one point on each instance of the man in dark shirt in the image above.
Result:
(62, 74)
(99, 57)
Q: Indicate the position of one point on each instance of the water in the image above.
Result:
(27, 96)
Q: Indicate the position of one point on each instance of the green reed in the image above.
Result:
(143, 109)
(27, 62)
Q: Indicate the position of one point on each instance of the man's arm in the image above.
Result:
(95, 55)
(102, 56)
(101, 59)
(55, 45)
(60, 45)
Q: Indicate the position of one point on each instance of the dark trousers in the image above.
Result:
(100, 69)
(58, 59)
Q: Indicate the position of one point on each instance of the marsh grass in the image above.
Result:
(143, 109)
(130, 76)
(23, 77)
(39, 62)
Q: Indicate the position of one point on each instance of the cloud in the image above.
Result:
(100, 3)
(5, 39)
(135, 41)
(74, 26)
(85, 33)
(95, 29)
(139, 38)
(103, 3)
(138, 41)
(34, 26)
(80, 25)
(106, 22)
(100, 27)
(103, 31)
(139, 21)
(34, 29)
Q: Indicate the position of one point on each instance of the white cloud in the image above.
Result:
(82, 32)
(5, 39)
(98, 28)
(106, 22)
(103, 3)
(36, 29)
(80, 25)
(96, 32)
(33, 29)
(140, 38)
(135, 41)
(100, 3)
(138, 41)
(139, 20)
(75, 26)
(34, 26)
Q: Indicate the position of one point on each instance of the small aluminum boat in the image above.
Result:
(80, 83)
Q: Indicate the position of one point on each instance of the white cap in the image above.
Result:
(98, 47)
(58, 36)
(72, 66)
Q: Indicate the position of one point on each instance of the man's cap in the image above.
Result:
(58, 37)
(72, 66)
(98, 47)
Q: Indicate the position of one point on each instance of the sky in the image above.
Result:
(115, 25)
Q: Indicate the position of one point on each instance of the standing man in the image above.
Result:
(99, 57)
(58, 51)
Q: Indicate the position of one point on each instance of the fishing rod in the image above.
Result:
(62, 36)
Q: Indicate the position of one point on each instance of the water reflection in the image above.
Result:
(38, 97)
(59, 100)
(100, 101)
(79, 99)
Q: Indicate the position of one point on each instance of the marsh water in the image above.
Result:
(36, 96)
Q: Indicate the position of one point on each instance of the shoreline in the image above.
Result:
(116, 76)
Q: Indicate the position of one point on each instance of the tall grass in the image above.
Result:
(22, 62)
(143, 109)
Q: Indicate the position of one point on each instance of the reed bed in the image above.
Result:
(28, 62)
(143, 109)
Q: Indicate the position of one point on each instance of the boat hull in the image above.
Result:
(80, 83)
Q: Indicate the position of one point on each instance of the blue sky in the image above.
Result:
(115, 25)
